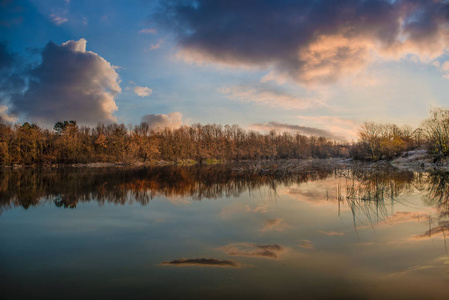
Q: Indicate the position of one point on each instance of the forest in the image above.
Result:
(69, 143)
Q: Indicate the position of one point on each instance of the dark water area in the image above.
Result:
(216, 232)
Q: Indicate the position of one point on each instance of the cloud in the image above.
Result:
(172, 120)
(57, 19)
(155, 46)
(148, 30)
(409, 270)
(316, 193)
(11, 77)
(202, 262)
(253, 250)
(4, 116)
(259, 209)
(441, 231)
(340, 128)
(70, 84)
(304, 130)
(142, 91)
(306, 244)
(239, 208)
(405, 217)
(331, 233)
(444, 68)
(269, 96)
(368, 244)
(307, 41)
(275, 225)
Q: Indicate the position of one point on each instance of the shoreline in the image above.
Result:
(415, 161)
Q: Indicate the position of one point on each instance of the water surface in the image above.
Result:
(211, 232)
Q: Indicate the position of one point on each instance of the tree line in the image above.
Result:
(69, 143)
(386, 141)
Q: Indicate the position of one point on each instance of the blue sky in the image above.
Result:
(312, 66)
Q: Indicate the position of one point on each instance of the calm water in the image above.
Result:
(210, 233)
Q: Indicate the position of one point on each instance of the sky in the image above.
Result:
(318, 67)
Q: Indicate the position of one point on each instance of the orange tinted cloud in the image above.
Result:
(307, 244)
(253, 250)
(304, 130)
(331, 233)
(441, 232)
(301, 40)
(172, 120)
(270, 97)
(275, 225)
(405, 217)
(335, 125)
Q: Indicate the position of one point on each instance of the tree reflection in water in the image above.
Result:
(365, 189)
(66, 187)
(437, 196)
(368, 191)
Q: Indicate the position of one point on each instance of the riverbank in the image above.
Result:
(421, 161)
(416, 161)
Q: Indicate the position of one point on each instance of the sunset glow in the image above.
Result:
(325, 65)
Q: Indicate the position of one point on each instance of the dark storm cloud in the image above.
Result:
(203, 262)
(304, 130)
(69, 84)
(11, 81)
(307, 41)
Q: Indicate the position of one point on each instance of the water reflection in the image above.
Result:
(437, 192)
(363, 233)
(365, 190)
(67, 187)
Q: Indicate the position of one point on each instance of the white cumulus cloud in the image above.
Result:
(142, 91)
(70, 84)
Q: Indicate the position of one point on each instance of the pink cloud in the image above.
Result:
(306, 244)
(331, 233)
(253, 250)
(148, 30)
(440, 232)
(275, 225)
(269, 97)
(405, 217)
